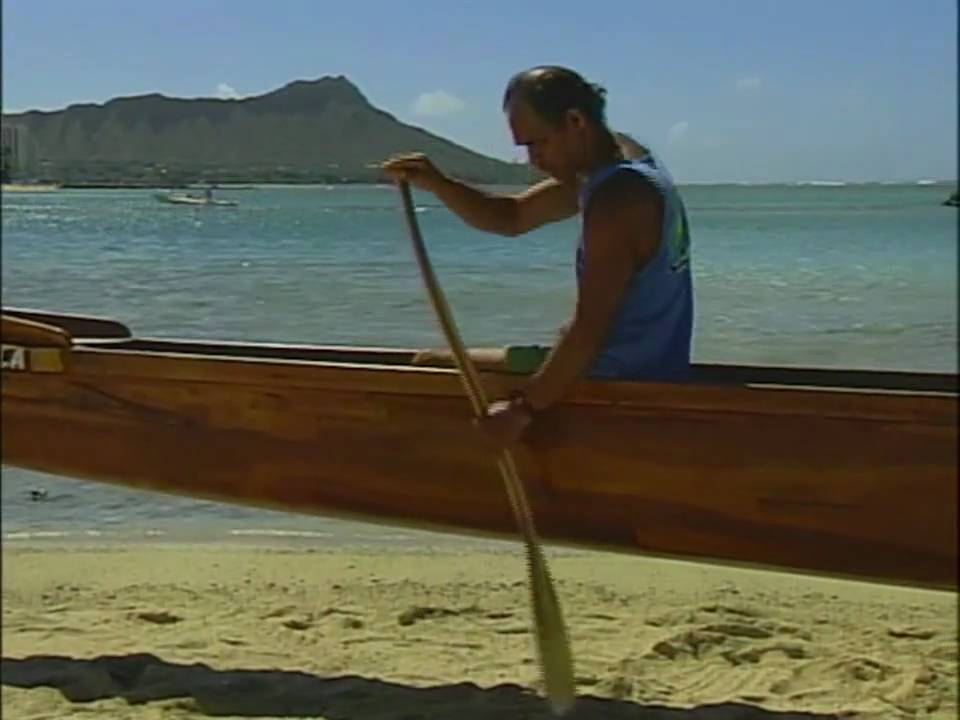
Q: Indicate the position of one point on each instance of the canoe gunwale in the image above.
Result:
(103, 365)
(714, 375)
(107, 334)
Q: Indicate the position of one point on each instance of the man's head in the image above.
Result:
(558, 116)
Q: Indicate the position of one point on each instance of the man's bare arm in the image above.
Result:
(547, 201)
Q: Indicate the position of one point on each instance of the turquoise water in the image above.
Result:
(850, 276)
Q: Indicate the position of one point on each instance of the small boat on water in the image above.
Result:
(845, 473)
(953, 200)
(181, 199)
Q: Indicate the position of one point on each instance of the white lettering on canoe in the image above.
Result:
(13, 358)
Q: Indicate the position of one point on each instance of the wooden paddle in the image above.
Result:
(556, 662)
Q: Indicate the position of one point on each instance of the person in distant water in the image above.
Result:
(208, 193)
(634, 310)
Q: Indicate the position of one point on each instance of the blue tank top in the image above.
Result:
(651, 334)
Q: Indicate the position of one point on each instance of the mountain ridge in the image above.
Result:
(321, 130)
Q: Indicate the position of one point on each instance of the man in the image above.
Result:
(634, 312)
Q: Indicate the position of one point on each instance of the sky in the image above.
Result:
(723, 90)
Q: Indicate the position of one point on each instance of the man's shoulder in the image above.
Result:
(626, 187)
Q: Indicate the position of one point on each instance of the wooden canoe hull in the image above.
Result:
(859, 483)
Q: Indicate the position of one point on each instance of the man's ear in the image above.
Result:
(576, 119)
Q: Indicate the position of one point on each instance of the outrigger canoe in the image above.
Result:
(830, 472)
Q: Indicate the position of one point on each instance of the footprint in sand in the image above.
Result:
(297, 624)
(158, 617)
(279, 612)
(419, 612)
(690, 643)
(866, 669)
(815, 679)
(735, 641)
(633, 679)
(794, 651)
(326, 612)
(587, 680)
(723, 609)
(236, 642)
(911, 632)
(693, 614)
(859, 668)
(516, 630)
(947, 651)
(738, 630)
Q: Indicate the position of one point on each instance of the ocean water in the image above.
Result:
(844, 276)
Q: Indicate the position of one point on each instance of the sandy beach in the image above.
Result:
(194, 631)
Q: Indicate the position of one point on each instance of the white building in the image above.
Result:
(18, 149)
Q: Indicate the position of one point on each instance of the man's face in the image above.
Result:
(552, 149)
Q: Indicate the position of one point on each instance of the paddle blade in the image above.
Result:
(553, 646)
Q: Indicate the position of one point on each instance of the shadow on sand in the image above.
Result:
(143, 678)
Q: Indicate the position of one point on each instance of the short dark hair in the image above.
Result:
(551, 91)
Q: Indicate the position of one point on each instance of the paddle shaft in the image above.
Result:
(468, 371)
(554, 649)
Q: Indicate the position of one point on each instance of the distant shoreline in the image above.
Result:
(254, 185)
(250, 185)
